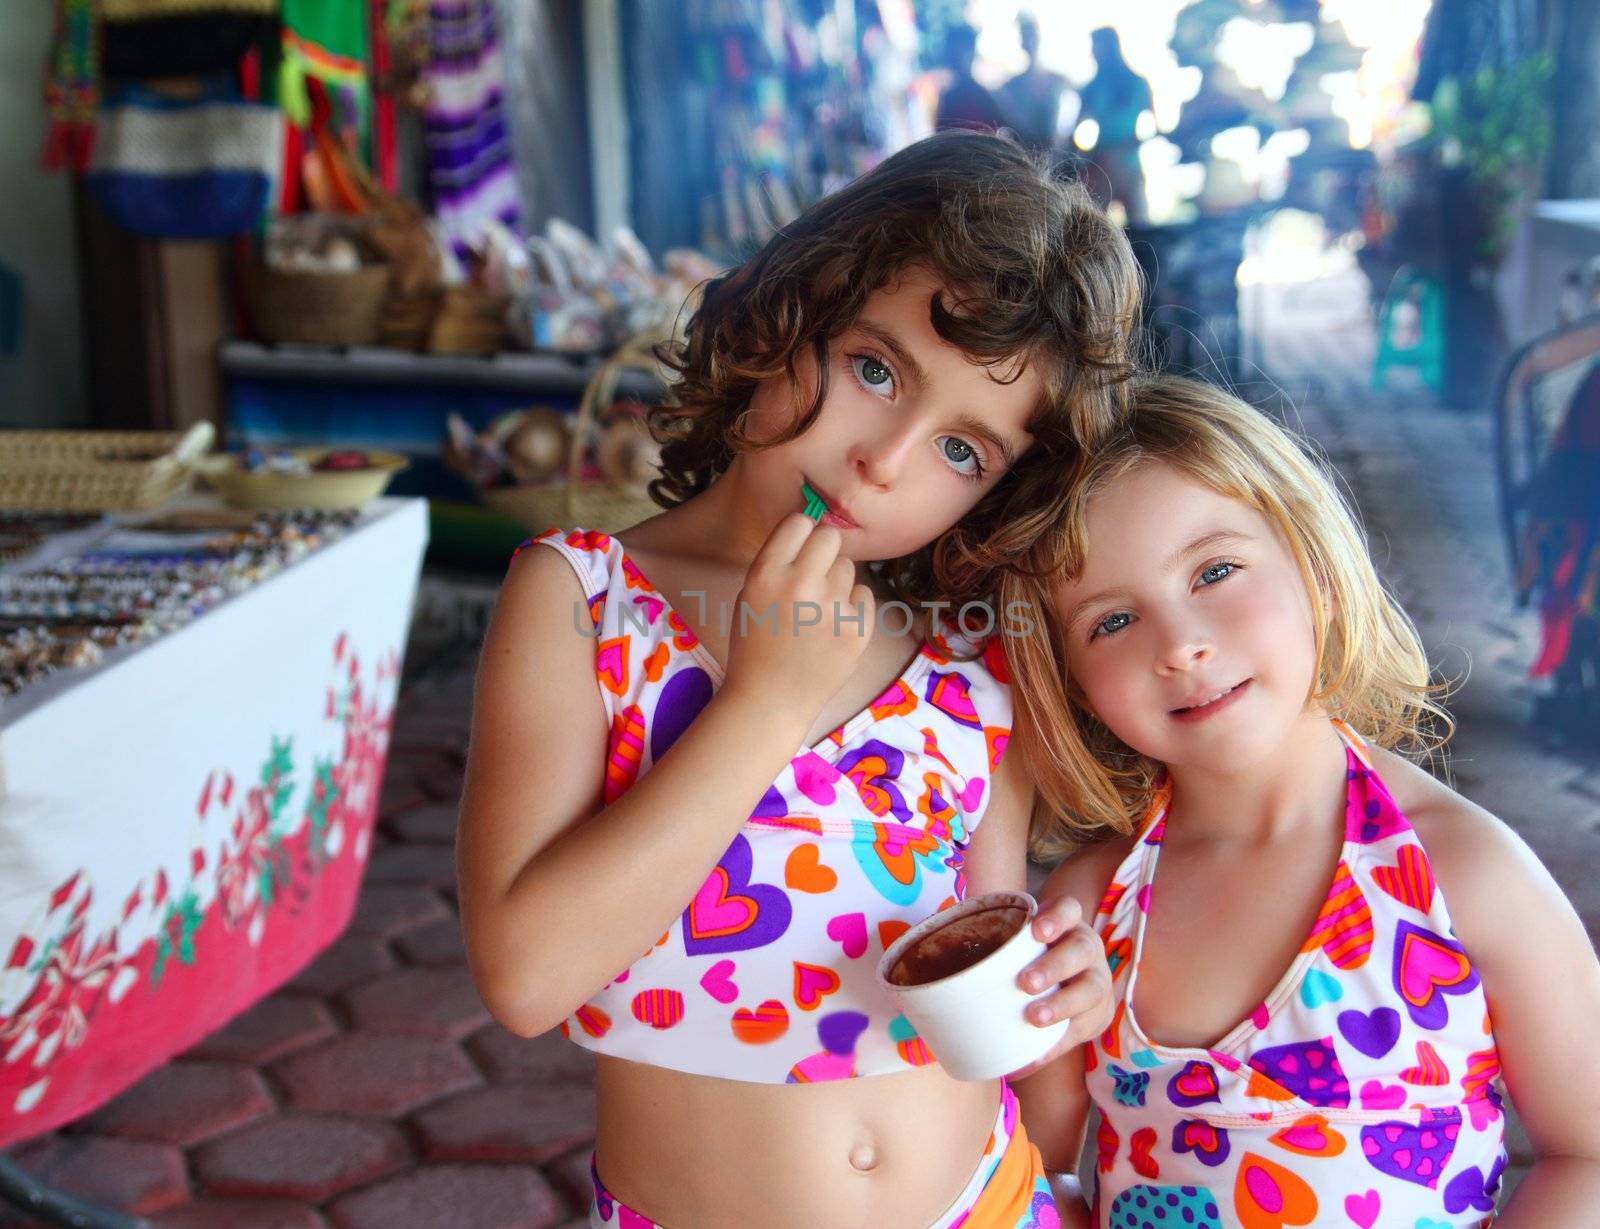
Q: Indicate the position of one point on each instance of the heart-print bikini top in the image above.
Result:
(1363, 1091)
(769, 975)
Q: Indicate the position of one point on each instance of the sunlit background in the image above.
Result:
(1370, 98)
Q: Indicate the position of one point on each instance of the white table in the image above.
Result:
(184, 826)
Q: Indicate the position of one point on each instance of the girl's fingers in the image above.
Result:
(842, 572)
(1083, 999)
(817, 552)
(1056, 917)
(862, 598)
(1079, 950)
(784, 542)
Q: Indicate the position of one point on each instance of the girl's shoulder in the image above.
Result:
(1454, 830)
(556, 584)
(1479, 862)
(591, 555)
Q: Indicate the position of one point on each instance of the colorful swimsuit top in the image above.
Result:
(1360, 1093)
(770, 973)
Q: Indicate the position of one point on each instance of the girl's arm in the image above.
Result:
(1543, 985)
(560, 892)
(1052, 1093)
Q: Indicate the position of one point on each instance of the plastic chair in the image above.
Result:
(1411, 331)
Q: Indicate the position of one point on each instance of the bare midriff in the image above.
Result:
(891, 1151)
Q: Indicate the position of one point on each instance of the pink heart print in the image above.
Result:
(850, 931)
(718, 982)
(1376, 1096)
(815, 777)
(1363, 1209)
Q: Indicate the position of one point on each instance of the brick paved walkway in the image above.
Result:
(374, 1092)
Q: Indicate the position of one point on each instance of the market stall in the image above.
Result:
(185, 813)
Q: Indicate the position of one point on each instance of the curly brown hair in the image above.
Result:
(1034, 274)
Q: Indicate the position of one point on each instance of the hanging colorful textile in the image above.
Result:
(325, 40)
(195, 164)
(468, 142)
(141, 39)
(72, 85)
(385, 143)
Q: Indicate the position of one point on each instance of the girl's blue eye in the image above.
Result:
(1216, 572)
(961, 454)
(1112, 624)
(872, 373)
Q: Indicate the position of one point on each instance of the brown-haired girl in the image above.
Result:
(1341, 963)
(914, 360)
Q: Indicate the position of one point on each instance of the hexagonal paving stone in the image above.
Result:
(347, 962)
(124, 1174)
(460, 1196)
(279, 1024)
(240, 1214)
(384, 910)
(440, 1003)
(369, 1074)
(433, 945)
(507, 1123)
(185, 1102)
(299, 1157)
(429, 865)
(433, 823)
(506, 1058)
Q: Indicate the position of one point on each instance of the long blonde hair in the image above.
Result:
(1371, 670)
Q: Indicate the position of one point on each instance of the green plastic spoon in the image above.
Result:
(814, 508)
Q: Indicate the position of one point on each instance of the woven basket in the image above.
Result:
(330, 309)
(598, 504)
(347, 488)
(468, 321)
(97, 471)
(406, 321)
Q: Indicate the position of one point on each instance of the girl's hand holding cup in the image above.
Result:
(1075, 964)
(989, 994)
(802, 621)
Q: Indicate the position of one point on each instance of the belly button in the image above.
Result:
(864, 1157)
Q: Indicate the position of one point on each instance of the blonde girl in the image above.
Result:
(1343, 963)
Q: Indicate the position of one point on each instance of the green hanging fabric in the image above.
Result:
(327, 40)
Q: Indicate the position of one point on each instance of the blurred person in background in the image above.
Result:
(964, 103)
(1032, 100)
(1114, 99)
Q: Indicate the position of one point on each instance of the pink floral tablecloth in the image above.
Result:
(184, 828)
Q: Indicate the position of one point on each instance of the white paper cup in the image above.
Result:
(972, 1018)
